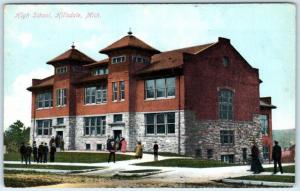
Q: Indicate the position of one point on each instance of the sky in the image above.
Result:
(264, 34)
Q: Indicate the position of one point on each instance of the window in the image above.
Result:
(225, 61)
(87, 146)
(60, 121)
(227, 137)
(140, 59)
(100, 71)
(160, 123)
(99, 147)
(264, 124)
(118, 59)
(265, 152)
(227, 158)
(118, 118)
(61, 70)
(115, 91)
(44, 100)
(210, 153)
(61, 97)
(198, 153)
(44, 127)
(122, 90)
(160, 88)
(225, 105)
(96, 95)
(94, 126)
(244, 154)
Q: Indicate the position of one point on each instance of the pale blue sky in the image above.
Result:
(264, 34)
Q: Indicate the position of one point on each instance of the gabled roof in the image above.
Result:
(172, 59)
(129, 41)
(103, 62)
(72, 55)
(44, 83)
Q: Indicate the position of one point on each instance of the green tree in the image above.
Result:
(16, 134)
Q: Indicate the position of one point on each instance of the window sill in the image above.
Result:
(43, 136)
(163, 98)
(160, 135)
(94, 104)
(44, 108)
(61, 106)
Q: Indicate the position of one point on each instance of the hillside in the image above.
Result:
(285, 137)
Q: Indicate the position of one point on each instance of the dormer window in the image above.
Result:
(140, 59)
(118, 59)
(99, 71)
(61, 70)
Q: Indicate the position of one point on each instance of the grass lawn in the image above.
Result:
(56, 167)
(193, 163)
(269, 178)
(74, 157)
(167, 154)
(286, 169)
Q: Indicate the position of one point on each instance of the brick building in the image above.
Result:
(201, 101)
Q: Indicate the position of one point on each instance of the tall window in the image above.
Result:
(227, 137)
(61, 70)
(225, 105)
(44, 100)
(266, 152)
(44, 127)
(115, 91)
(96, 95)
(118, 59)
(122, 90)
(160, 123)
(61, 97)
(94, 126)
(264, 124)
(160, 88)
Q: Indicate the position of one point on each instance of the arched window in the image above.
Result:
(225, 104)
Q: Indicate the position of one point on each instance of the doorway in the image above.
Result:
(117, 135)
(60, 133)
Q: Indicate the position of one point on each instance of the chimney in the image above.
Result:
(224, 40)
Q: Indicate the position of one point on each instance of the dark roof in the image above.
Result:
(98, 63)
(172, 59)
(89, 79)
(44, 83)
(72, 55)
(262, 103)
(129, 41)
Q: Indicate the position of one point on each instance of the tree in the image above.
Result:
(15, 136)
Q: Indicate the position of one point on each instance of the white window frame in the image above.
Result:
(99, 124)
(114, 91)
(98, 94)
(140, 59)
(225, 102)
(165, 89)
(61, 70)
(122, 90)
(100, 71)
(118, 59)
(43, 128)
(264, 126)
(41, 98)
(61, 97)
(229, 134)
(155, 124)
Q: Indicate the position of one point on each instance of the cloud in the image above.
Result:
(17, 105)
(25, 39)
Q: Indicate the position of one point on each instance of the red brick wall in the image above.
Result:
(205, 73)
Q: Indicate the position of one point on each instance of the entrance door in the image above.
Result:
(60, 133)
(117, 134)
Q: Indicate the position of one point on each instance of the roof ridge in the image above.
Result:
(179, 49)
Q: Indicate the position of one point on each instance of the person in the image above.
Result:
(52, 140)
(22, 151)
(62, 145)
(112, 151)
(40, 153)
(28, 154)
(52, 152)
(155, 151)
(256, 166)
(123, 145)
(139, 150)
(117, 143)
(276, 156)
(45, 153)
(35, 152)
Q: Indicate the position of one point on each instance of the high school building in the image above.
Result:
(201, 101)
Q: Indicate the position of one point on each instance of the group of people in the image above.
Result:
(113, 145)
(256, 165)
(40, 153)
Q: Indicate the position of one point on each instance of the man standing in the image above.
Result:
(52, 152)
(155, 151)
(23, 152)
(45, 153)
(35, 152)
(112, 151)
(276, 156)
(28, 154)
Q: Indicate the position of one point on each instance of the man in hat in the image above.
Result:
(276, 156)
(155, 151)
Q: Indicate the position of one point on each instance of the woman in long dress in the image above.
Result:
(255, 164)
(123, 145)
(139, 151)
